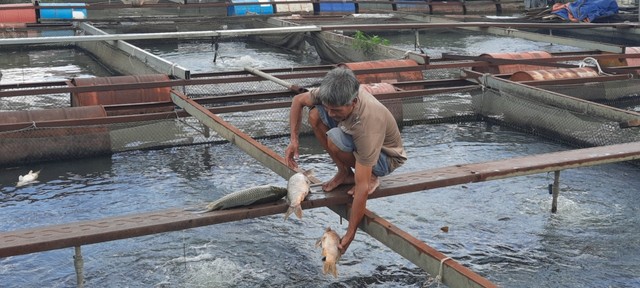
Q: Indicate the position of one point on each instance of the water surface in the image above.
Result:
(501, 229)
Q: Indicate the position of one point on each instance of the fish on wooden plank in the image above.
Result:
(254, 195)
(298, 188)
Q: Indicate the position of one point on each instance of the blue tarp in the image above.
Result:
(586, 10)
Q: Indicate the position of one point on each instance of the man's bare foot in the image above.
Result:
(373, 185)
(340, 178)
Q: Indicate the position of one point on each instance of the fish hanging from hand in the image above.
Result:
(330, 251)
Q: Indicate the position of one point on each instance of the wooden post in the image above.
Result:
(556, 190)
(78, 263)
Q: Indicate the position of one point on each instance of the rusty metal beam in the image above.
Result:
(61, 87)
(10, 90)
(216, 110)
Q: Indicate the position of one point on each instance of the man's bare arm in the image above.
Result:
(359, 204)
(295, 120)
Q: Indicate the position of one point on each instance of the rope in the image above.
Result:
(30, 127)
(439, 277)
(593, 61)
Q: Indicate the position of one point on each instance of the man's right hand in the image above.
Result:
(291, 154)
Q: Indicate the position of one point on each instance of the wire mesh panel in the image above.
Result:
(599, 91)
(443, 73)
(33, 102)
(35, 144)
(576, 129)
(439, 108)
(260, 109)
(159, 133)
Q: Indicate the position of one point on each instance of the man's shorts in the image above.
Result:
(344, 142)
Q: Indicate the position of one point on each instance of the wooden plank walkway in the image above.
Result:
(127, 226)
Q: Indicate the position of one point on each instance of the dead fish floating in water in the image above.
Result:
(330, 251)
(298, 188)
(253, 195)
(28, 178)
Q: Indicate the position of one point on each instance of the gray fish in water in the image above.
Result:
(253, 195)
(297, 189)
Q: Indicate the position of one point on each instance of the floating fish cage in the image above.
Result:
(143, 116)
(103, 122)
(84, 117)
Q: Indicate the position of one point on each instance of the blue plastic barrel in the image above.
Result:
(422, 7)
(61, 13)
(331, 8)
(257, 9)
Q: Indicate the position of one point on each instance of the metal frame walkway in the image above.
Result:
(101, 230)
(451, 273)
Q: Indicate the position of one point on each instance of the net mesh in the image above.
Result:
(575, 129)
(30, 143)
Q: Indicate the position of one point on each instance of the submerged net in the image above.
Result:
(578, 129)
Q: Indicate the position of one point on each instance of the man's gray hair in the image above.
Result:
(338, 88)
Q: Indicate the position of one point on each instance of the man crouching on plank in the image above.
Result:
(356, 130)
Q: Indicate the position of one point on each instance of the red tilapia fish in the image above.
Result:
(298, 188)
(330, 251)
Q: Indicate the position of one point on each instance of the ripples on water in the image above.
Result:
(56, 64)
(501, 229)
(231, 56)
(435, 42)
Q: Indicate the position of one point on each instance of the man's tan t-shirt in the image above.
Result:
(373, 129)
